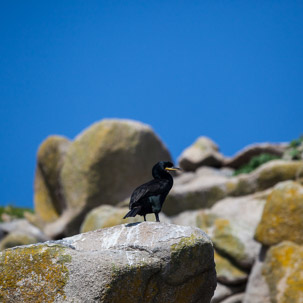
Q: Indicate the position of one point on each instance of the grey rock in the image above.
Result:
(200, 192)
(140, 262)
(221, 293)
(24, 227)
(244, 156)
(203, 152)
(257, 290)
(238, 298)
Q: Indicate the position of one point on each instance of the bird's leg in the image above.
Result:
(144, 217)
(157, 217)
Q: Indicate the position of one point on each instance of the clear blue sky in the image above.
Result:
(231, 70)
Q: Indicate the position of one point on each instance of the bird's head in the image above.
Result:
(163, 167)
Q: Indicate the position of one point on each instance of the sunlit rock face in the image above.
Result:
(140, 262)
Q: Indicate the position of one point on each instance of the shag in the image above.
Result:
(149, 197)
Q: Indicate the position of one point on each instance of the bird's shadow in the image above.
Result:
(132, 224)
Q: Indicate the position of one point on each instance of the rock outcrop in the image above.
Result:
(140, 262)
(282, 219)
(204, 188)
(203, 152)
(245, 155)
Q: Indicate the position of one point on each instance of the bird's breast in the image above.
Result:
(156, 203)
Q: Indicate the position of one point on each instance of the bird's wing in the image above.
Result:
(151, 188)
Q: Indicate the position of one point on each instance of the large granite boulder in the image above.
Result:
(140, 262)
(102, 165)
(203, 152)
(282, 217)
(48, 198)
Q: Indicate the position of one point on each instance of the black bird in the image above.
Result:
(149, 197)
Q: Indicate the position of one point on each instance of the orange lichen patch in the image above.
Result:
(33, 274)
(283, 271)
(282, 217)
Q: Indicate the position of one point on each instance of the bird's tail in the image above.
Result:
(132, 213)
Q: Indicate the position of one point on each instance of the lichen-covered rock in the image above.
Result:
(103, 165)
(235, 240)
(108, 216)
(227, 273)
(244, 156)
(266, 176)
(283, 272)
(48, 198)
(35, 273)
(140, 262)
(203, 190)
(204, 152)
(282, 217)
(16, 239)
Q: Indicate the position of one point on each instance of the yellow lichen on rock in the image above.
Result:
(36, 273)
(49, 202)
(283, 271)
(282, 217)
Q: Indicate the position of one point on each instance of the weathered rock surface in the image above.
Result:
(204, 188)
(227, 273)
(282, 218)
(204, 152)
(19, 232)
(238, 298)
(22, 225)
(283, 272)
(48, 198)
(234, 240)
(16, 239)
(141, 262)
(102, 165)
(266, 176)
(108, 216)
(257, 290)
(200, 192)
(245, 155)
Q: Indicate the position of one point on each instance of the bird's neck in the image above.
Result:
(162, 175)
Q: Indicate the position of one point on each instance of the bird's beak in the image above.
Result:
(173, 168)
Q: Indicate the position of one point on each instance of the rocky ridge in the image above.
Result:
(253, 219)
